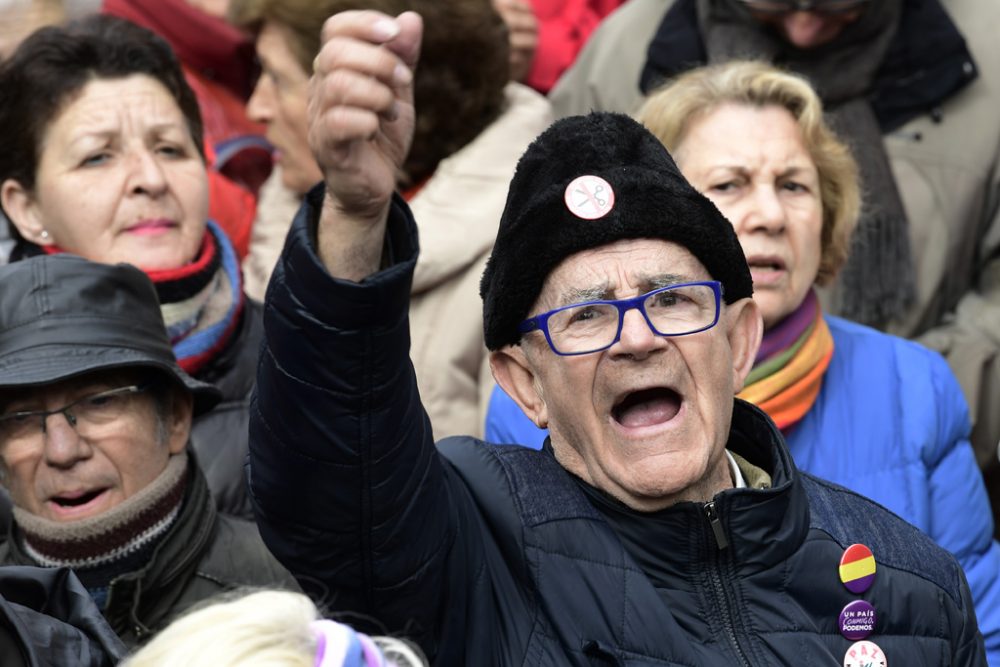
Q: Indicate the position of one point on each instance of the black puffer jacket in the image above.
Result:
(497, 556)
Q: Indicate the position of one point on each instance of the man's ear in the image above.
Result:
(179, 426)
(746, 330)
(513, 373)
(19, 205)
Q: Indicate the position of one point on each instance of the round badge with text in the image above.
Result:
(857, 620)
(589, 197)
(857, 568)
(865, 654)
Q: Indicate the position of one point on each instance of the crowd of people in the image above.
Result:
(496, 332)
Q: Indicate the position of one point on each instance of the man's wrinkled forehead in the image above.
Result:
(618, 270)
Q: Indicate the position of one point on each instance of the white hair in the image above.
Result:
(259, 629)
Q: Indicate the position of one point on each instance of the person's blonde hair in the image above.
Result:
(669, 111)
(254, 630)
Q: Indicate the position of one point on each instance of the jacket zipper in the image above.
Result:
(716, 565)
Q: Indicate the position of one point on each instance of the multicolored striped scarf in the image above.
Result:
(201, 302)
(788, 373)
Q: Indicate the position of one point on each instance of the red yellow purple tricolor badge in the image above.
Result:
(857, 568)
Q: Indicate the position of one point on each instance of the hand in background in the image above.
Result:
(523, 28)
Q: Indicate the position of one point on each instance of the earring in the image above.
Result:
(44, 235)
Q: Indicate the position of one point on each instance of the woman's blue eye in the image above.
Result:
(96, 159)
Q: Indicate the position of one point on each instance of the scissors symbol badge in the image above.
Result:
(589, 197)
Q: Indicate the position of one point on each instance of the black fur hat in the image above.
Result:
(638, 192)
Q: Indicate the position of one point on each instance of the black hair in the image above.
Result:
(53, 65)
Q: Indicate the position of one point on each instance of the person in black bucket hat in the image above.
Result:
(663, 523)
(95, 417)
(65, 317)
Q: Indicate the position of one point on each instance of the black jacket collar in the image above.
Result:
(762, 527)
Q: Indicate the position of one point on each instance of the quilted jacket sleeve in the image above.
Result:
(349, 492)
(968, 644)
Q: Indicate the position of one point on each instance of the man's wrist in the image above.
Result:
(348, 244)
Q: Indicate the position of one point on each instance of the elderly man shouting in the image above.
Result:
(95, 416)
(663, 524)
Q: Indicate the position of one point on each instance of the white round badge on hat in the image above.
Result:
(589, 197)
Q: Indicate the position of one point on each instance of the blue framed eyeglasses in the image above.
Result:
(592, 326)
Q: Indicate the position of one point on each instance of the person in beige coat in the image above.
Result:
(944, 159)
(473, 124)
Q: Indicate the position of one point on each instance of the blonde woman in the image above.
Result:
(268, 628)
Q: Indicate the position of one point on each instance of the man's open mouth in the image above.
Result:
(647, 407)
(76, 499)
